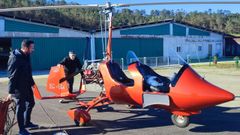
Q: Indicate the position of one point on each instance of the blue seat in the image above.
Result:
(118, 75)
(151, 79)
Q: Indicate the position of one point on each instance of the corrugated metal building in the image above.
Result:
(166, 38)
(52, 43)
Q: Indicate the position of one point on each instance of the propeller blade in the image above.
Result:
(51, 7)
(176, 3)
(116, 5)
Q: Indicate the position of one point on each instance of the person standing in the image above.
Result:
(71, 64)
(20, 85)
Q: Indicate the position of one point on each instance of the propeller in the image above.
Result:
(176, 3)
(109, 5)
(49, 7)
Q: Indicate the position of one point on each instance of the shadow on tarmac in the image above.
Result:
(211, 120)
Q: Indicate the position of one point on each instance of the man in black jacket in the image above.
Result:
(20, 84)
(71, 64)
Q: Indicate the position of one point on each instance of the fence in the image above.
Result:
(151, 61)
(166, 61)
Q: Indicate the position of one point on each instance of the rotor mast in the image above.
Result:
(108, 10)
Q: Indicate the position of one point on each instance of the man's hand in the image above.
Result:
(9, 97)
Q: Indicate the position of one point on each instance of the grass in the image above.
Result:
(222, 65)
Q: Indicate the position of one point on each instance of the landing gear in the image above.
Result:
(180, 121)
(83, 119)
(80, 117)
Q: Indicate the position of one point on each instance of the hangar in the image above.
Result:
(165, 39)
(52, 42)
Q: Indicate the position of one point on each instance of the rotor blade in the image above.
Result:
(176, 3)
(50, 7)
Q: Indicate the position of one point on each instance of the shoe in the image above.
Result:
(23, 132)
(31, 125)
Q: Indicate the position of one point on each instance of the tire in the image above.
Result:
(133, 106)
(180, 121)
(78, 123)
(82, 118)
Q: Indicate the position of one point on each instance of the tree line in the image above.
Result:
(89, 19)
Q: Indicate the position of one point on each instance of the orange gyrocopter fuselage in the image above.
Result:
(186, 94)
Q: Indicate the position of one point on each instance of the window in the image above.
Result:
(178, 49)
(199, 48)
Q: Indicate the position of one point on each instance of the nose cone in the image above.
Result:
(215, 95)
(193, 92)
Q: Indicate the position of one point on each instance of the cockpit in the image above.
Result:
(152, 81)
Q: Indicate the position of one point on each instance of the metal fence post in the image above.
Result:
(122, 63)
(156, 61)
(145, 60)
(168, 60)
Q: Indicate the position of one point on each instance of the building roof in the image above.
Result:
(43, 22)
(174, 21)
(121, 27)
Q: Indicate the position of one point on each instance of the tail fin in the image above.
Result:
(53, 84)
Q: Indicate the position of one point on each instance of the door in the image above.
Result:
(5, 48)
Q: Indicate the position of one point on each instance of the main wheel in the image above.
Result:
(180, 121)
(79, 123)
(82, 118)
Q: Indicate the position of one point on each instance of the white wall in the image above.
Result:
(189, 46)
(63, 32)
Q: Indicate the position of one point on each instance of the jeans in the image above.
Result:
(24, 108)
(70, 82)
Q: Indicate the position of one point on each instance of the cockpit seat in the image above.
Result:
(118, 75)
(152, 80)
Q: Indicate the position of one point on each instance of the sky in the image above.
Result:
(187, 8)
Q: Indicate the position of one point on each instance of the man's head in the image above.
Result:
(72, 55)
(27, 46)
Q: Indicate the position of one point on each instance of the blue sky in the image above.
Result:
(231, 7)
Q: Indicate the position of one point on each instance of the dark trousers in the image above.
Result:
(24, 108)
(70, 82)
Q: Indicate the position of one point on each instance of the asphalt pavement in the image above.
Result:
(118, 119)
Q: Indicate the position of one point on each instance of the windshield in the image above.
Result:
(155, 61)
(131, 57)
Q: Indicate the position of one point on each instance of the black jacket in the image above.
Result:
(20, 74)
(71, 65)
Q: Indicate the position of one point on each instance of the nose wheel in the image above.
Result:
(80, 117)
(180, 121)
